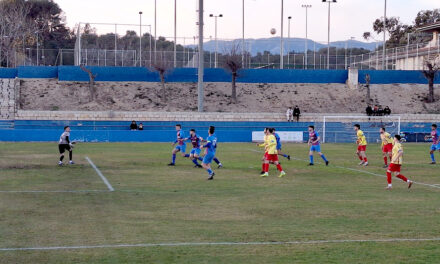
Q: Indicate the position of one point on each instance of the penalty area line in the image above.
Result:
(103, 178)
(436, 186)
(193, 244)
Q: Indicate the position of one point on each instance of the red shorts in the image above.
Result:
(362, 148)
(394, 167)
(387, 148)
(265, 155)
(272, 157)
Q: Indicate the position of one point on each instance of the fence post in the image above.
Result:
(417, 56)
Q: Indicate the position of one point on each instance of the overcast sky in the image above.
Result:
(350, 18)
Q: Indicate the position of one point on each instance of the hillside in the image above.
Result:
(292, 44)
(136, 96)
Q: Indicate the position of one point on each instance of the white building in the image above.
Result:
(413, 57)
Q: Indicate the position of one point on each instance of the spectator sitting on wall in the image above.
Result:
(296, 113)
(380, 111)
(141, 126)
(133, 125)
(387, 111)
(289, 114)
(369, 110)
(375, 109)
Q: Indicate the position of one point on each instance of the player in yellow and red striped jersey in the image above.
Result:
(266, 131)
(387, 145)
(270, 147)
(396, 163)
(362, 145)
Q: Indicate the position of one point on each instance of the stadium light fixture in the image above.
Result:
(216, 41)
(328, 34)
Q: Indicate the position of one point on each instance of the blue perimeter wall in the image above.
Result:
(137, 74)
(163, 131)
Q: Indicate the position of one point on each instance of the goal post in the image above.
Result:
(339, 129)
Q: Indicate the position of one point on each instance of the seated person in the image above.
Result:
(380, 111)
(369, 110)
(141, 126)
(387, 111)
(375, 110)
(133, 125)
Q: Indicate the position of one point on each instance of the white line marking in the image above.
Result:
(104, 179)
(183, 244)
(75, 191)
(437, 186)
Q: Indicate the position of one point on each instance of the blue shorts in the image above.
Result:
(208, 158)
(316, 148)
(278, 146)
(181, 148)
(195, 151)
(435, 147)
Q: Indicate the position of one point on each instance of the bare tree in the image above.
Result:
(233, 63)
(430, 75)
(15, 27)
(92, 77)
(163, 64)
(367, 85)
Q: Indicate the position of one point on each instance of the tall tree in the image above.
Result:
(430, 75)
(232, 63)
(15, 27)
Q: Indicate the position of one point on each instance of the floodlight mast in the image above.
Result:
(201, 93)
(328, 36)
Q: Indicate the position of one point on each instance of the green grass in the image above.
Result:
(153, 203)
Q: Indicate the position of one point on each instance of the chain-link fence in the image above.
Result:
(409, 57)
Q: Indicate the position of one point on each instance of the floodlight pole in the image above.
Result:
(384, 35)
(242, 40)
(216, 40)
(116, 42)
(288, 44)
(200, 94)
(328, 36)
(281, 40)
(140, 39)
(155, 30)
(306, 44)
(175, 33)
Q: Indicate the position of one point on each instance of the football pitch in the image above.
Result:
(121, 204)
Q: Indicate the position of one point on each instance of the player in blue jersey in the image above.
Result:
(181, 145)
(435, 136)
(211, 148)
(277, 137)
(194, 155)
(315, 146)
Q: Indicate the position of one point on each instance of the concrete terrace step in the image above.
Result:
(196, 116)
